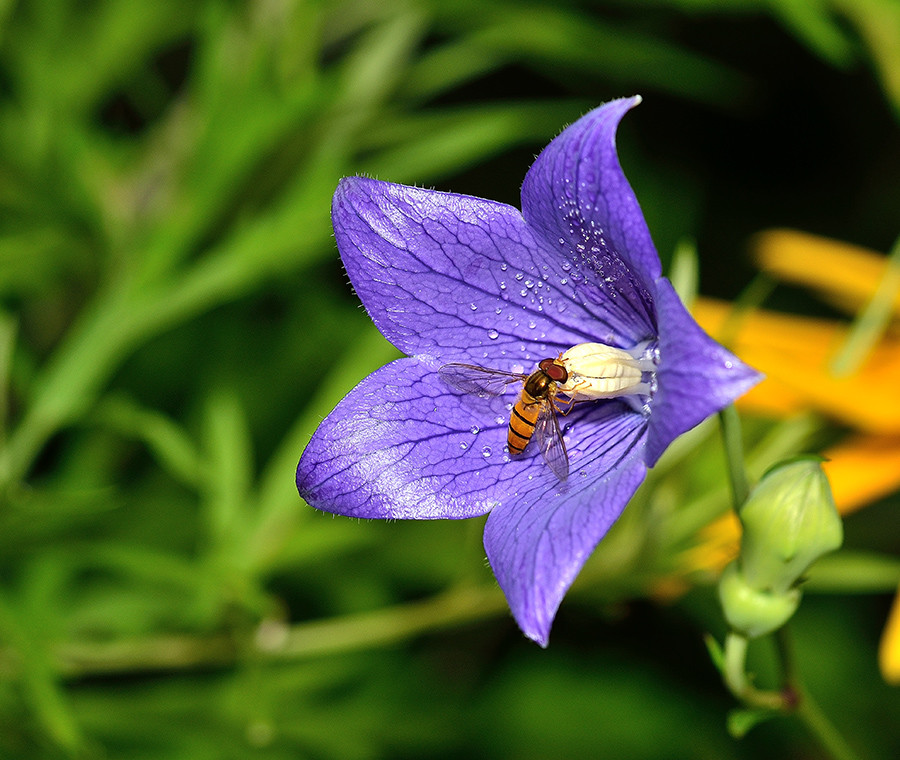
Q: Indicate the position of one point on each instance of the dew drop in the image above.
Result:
(498, 310)
(531, 324)
(486, 452)
(464, 445)
(529, 284)
(502, 285)
(474, 430)
(523, 292)
(473, 307)
(503, 266)
(493, 334)
(519, 276)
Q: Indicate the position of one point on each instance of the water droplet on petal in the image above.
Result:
(474, 430)
(473, 307)
(486, 452)
(504, 266)
(493, 334)
(464, 445)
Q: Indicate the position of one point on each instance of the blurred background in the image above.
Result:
(174, 322)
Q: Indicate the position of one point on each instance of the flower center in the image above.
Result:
(597, 371)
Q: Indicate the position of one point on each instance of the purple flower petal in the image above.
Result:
(578, 196)
(696, 377)
(538, 541)
(455, 278)
(398, 446)
(403, 445)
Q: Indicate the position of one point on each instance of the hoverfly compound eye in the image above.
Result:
(554, 370)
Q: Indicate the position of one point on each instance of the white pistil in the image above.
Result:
(599, 371)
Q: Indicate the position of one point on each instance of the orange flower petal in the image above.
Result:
(844, 274)
(795, 354)
(717, 545)
(889, 648)
(862, 469)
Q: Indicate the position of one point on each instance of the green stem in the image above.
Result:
(734, 454)
(806, 708)
(275, 642)
(809, 712)
(791, 699)
(735, 673)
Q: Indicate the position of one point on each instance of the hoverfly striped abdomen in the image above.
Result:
(583, 373)
(537, 393)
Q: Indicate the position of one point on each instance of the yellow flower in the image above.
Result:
(797, 354)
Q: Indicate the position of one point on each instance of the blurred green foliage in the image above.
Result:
(174, 322)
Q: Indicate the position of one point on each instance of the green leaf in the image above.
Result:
(716, 653)
(422, 146)
(166, 439)
(685, 271)
(741, 720)
(854, 572)
(815, 24)
(229, 467)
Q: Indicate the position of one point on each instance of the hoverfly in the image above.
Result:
(534, 413)
(586, 372)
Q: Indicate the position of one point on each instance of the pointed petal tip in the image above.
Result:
(541, 638)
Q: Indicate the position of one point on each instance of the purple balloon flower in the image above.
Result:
(452, 279)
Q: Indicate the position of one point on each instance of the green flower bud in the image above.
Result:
(789, 521)
(751, 611)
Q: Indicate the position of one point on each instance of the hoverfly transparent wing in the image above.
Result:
(477, 381)
(550, 441)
